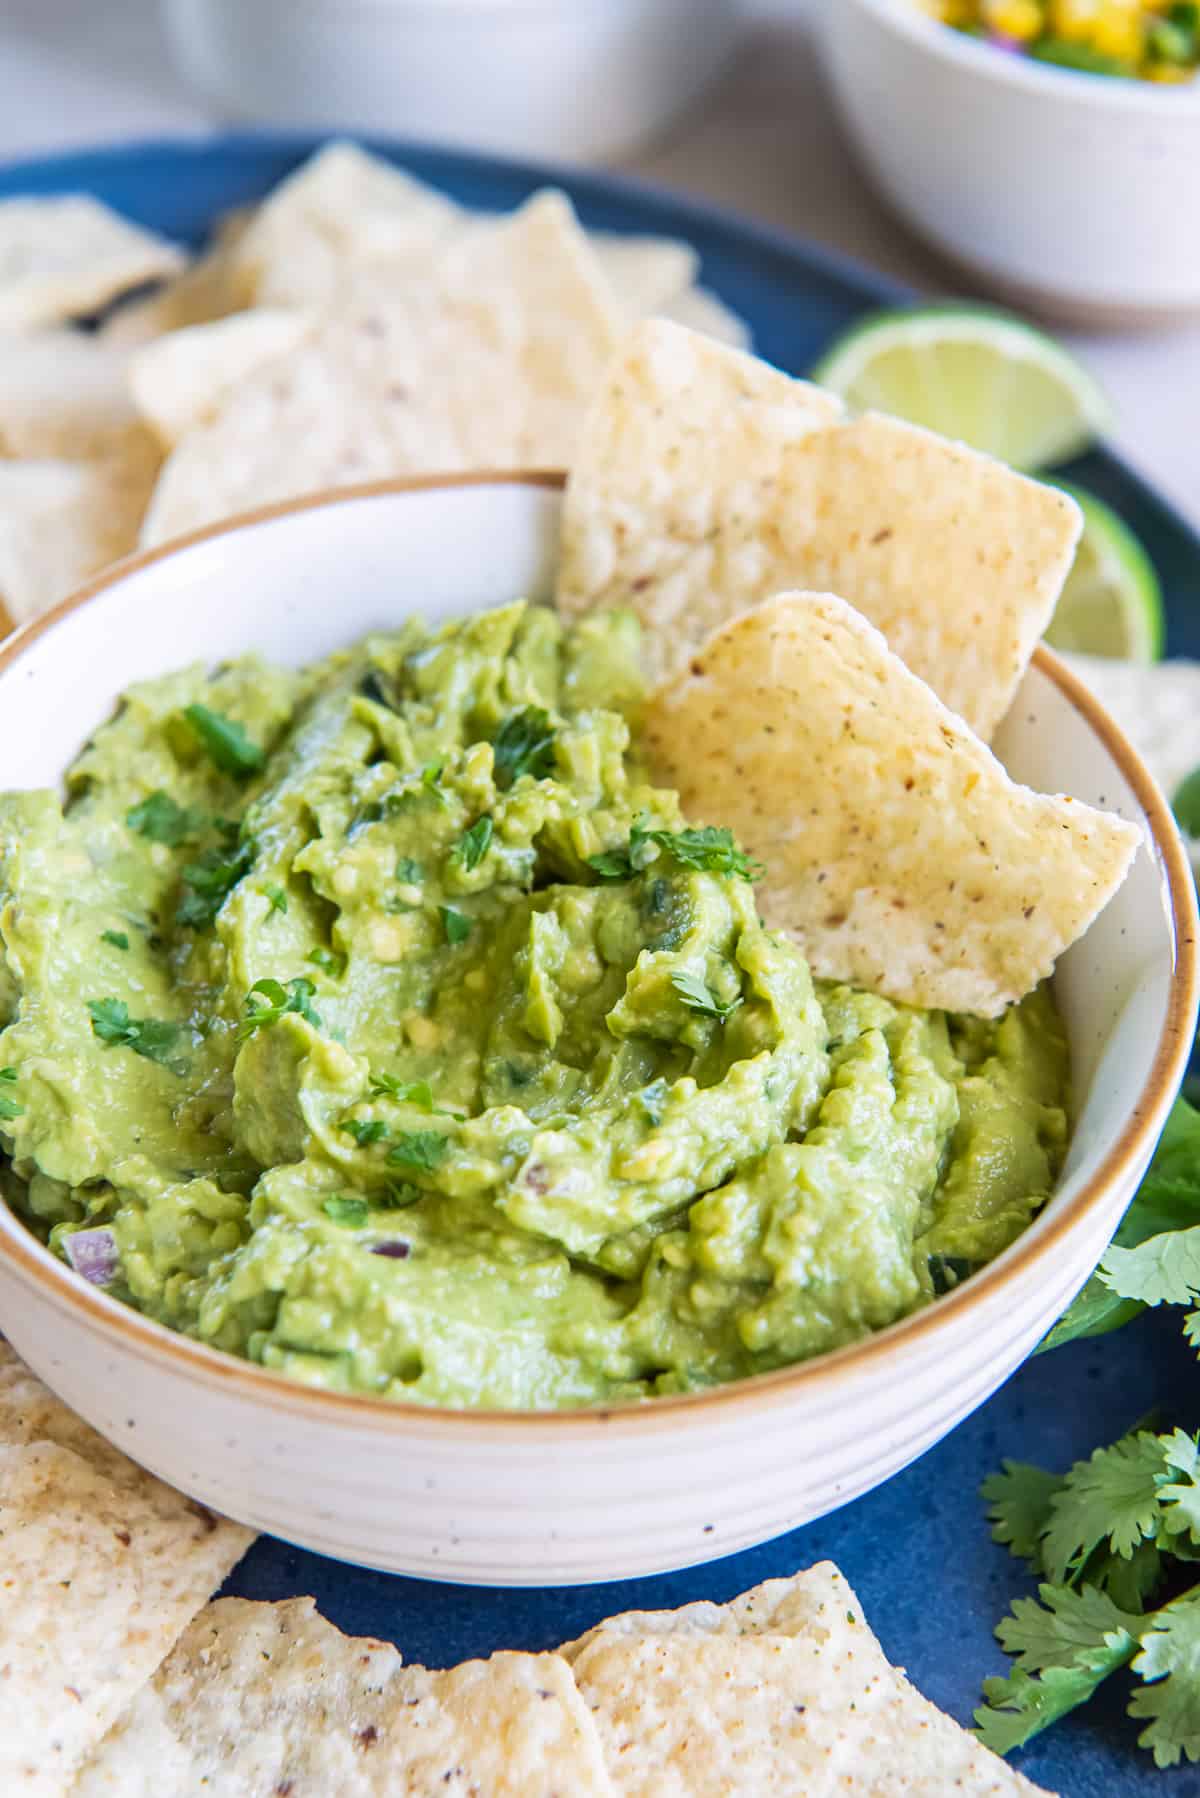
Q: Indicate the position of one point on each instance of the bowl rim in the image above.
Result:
(152, 1342)
(1042, 80)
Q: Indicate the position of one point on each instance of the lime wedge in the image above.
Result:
(979, 376)
(1112, 603)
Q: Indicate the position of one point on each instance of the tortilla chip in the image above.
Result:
(61, 522)
(103, 1567)
(272, 1698)
(706, 481)
(63, 393)
(1158, 708)
(342, 207)
(645, 273)
(899, 854)
(489, 361)
(181, 380)
(64, 257)
(212, 288)
(702, 311)
(783, 1690)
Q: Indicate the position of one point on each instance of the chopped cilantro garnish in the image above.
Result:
(268, 1001)
(697, 996)
(1186, 804)
(431, 779)
(524, 744)
(422, 1150)
(399, 1195)
(352, 1212)
(153, 1038)
(278, 898)
(711, 849)
(365, 1130)
(117, 938)
(455, 923)
(208, 882)
(9, 1108)
(406, 1092)
(409, 871)
(228, 746)
(163, 821)
(329, 962)
(472, 846)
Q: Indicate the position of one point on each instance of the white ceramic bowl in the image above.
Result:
(1071, 193)
(588, 1495)
(562, 78)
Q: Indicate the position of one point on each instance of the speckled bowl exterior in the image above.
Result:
(1063, 191)
(526, 1499)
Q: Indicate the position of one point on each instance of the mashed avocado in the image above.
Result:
(380, 1023)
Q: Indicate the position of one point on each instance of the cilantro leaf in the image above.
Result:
(117, 938)
(365, 1130)
(1018, 1502)
(208, 882)
(1186, 803)
(611, 864)
(1163, 1270)
(710, 848)
(455, 923)
(423, 1150)
(1110, 1499)
(1180, 1497)
(228, 746)
(431, 777)
(152, 1038)
(411, 1092)
(353, 1212)
(159, 818)
(1169, 1661)
(473, 844)
(268, 1001)
(1021, 1706)
(9, 1107)
(1068, 1627)
(524, 744)
(277, 896)
(697, 997)
(409, 871)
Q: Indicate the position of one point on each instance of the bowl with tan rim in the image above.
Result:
(616, 1491)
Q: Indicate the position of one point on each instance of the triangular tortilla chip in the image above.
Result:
(706, 481)
(181, 380)
(270, 1698)
(702, 311)
(488, 361)
(212, 287)
(103, 1567)
(67, 256)
(899, 854)
(783, 1690)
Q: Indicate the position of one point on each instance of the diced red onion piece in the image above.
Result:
(93, 1255)
(396, 1250)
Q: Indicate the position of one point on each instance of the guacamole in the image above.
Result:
(381, 1023)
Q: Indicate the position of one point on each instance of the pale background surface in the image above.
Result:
(76, 72)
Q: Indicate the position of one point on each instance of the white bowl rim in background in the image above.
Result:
(1117, 92)
(37, 1267)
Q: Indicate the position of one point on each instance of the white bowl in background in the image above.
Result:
(1074, 194)
(536, 1499)
(564, 78)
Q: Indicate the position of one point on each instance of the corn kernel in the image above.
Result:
(1018, 19)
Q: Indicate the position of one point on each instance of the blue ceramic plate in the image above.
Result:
(918, 1550)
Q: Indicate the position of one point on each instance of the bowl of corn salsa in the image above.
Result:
(1042, 146)
(1144, 40)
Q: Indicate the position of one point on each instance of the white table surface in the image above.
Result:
(76, 72)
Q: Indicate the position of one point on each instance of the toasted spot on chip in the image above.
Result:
(69, 255)
(706, 481)
(900, 855)
(270, 1698)
(103, 1567)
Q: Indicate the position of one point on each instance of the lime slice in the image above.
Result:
(1112, 603)
(976, 375)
